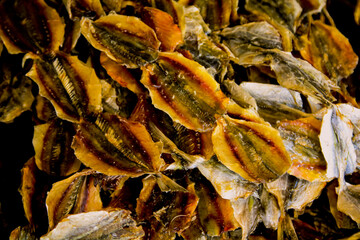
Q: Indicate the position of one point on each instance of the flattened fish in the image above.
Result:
(183, 89)
(124, 39)
(255, 151)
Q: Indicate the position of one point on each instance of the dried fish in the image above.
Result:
(292, 73)
(282, 14)
(23, 31)
(116, 223)
(328, 50)
(168, 33)
(72, 87)
(247, 213)
(23, 233)
(336, 144)
(275, 102)
(116, 36)
(217, 13)
(183, 89)
(294, 193)
(53, 152)
(188, 119)
(15, 91)
(301, 139)
(33, 189)
(259, 34)
(116, 146)
(74, 194)
(228, 184)
(215, 214)
(83, 8)
(342, 220)
(252, 150)
(169, 212)
(204, 48)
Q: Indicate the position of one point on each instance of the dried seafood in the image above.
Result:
(183, 119)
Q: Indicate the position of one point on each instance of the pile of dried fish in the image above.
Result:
(182, 119)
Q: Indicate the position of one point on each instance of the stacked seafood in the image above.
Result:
(181, 119)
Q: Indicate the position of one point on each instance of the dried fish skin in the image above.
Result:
(122, 42)
(301, 139)
(83, 8)
(254, 151)
(72, 87)
(168, 33)
(53, 152)
(258, 34)
(292, 73)
(183, 89)
(66, 195)
(328, 50)
(282, 14)
(23, 31)
(116, 146)
(104, 224)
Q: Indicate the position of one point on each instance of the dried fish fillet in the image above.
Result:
(254, 151)
(116, 146)
(183, 89)
(74, 194)
(116, 36)
(52, 145)
(72, 87)
(23, 31)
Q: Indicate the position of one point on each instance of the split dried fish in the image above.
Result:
(183, 119)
